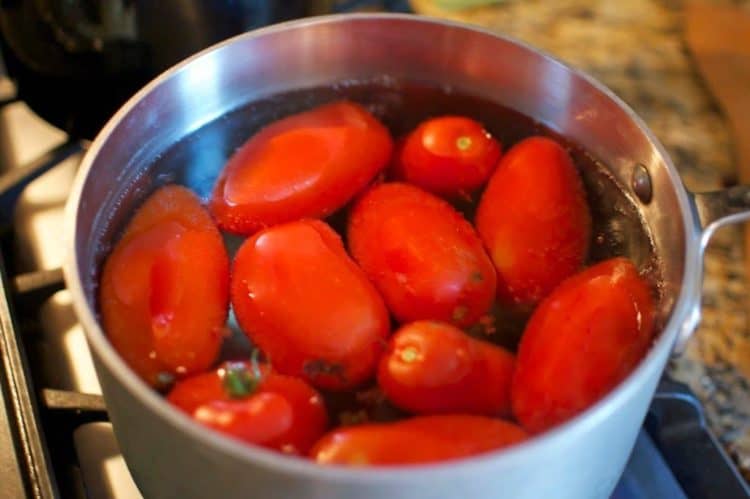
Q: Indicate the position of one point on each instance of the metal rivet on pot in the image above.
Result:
(641, 183)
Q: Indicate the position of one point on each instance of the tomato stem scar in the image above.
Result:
(463, 143)
(409, 354)
(459, 313)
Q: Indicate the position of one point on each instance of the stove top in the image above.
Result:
(55, 439)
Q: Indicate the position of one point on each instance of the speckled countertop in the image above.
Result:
(636, 48)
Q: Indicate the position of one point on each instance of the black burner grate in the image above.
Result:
(24, 458)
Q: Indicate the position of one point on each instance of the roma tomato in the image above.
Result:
(448, 156)
(306, 165)
(252, 404)
(164, 290)
(307, 305)
(421, 439)
(433, 367)
(534, 220)
(422, 255)
(582, 340)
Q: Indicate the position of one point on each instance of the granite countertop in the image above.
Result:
(637, 49)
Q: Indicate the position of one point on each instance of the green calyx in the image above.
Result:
(241, 381)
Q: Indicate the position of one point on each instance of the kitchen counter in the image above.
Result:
(636, 48)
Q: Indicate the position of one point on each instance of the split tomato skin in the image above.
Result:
(432, 367)
(164, 289)
(308, 306)
(256, 406)
(419, 440)
(307, 165)
(449, 156)
(534, 220)
(422, 255)
(581, 341)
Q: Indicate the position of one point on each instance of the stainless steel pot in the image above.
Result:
(171, 456)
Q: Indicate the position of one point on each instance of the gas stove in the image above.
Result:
(55, 438)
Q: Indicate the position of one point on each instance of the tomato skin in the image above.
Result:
(282, 412)
(422, 255)
(164, 289)
(433, 367)
(306, 165)
(306, 304)
(534, 220)
(422, 439)
(448, 156)
(581, 341)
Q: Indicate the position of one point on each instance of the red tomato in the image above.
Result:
(421, 439)
(448, 156)
(164, 290)
(255, 406)
(307, 305)
(582, 340)
(306, 165)
(534, 220)
(433, 367)
(422, 255)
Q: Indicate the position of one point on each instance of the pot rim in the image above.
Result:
(682, 309)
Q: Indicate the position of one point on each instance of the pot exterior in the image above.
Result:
(171, 456)
(167, 463)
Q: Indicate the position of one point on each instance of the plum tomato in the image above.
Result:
(432, 367)
(301, 299)
(448, 156)
(423, 256)
(421, 439)
(249, 402)
(164, 290)
(534, 220)
(306, 165)
(581, 341)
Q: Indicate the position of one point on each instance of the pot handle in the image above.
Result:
(714, 209)
(718, 208)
